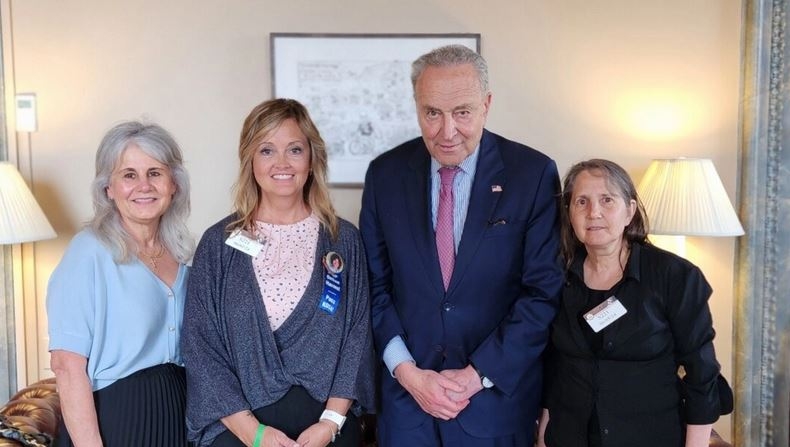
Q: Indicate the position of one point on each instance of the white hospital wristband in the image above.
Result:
(335, 417)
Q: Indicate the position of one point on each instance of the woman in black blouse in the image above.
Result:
(631, 315)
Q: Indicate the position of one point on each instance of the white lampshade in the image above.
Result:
(685, 196)
(21, 219)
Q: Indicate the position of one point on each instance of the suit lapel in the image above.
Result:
(416, 187)
(483, 200)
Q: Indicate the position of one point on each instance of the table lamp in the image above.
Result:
(21, 218)
(685, 197)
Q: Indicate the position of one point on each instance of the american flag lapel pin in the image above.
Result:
(496, 188)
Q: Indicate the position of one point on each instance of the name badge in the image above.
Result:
(605, 314)
(240, 240)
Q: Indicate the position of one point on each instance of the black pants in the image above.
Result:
(292, 414)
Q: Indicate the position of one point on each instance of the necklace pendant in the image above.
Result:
(152, 258)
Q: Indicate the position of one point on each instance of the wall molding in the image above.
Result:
(762, 326)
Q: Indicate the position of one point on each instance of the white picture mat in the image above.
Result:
(357, 89)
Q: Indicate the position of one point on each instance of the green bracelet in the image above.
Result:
(259, 436)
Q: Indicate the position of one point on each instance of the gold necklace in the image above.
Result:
(153, 257)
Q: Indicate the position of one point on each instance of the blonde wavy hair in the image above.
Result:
(262, 120)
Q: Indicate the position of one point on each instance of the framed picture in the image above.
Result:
(357, 88)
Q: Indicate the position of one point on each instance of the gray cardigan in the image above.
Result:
(234, 361)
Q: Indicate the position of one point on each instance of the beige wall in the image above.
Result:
(570, 77)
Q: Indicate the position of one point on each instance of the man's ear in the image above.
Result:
(486, 104)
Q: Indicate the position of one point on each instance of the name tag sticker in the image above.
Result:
(605, 314)
(241, 240)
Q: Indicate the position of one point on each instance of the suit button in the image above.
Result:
(438, 348)
(605, 431)
(609, 346)
(447, 306)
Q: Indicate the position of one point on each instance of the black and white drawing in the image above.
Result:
(357, 88)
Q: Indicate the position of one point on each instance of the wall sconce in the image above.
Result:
(685, 197)
(21, 218)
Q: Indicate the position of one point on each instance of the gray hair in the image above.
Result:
(448, 56)
(158, 144)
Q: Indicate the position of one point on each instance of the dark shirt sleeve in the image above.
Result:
(549, 375)
(518, 343)
(213, 389)
(385, 318)
(354, 374)
(692, 328)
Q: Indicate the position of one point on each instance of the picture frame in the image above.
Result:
(357, 88)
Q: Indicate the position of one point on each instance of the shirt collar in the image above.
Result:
(468, 165)
(631, 265)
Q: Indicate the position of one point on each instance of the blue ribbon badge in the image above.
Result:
(333, 283)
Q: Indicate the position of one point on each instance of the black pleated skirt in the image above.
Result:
(143, 409)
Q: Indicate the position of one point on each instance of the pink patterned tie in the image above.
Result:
(445, 242)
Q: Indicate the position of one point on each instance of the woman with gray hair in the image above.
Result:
(115, 302)
(630, 315)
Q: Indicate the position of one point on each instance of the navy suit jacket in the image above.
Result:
(504, 290)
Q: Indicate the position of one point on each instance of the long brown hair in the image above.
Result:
(616, 178)
(262, 120)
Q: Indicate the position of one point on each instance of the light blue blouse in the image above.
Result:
(122, 317)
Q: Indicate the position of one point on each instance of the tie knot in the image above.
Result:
(447, 175)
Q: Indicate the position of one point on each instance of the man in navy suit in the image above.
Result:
(461, 352)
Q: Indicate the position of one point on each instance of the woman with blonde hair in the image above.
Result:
(277, 340)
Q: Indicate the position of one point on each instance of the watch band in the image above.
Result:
(335, 417)
(484, 381)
